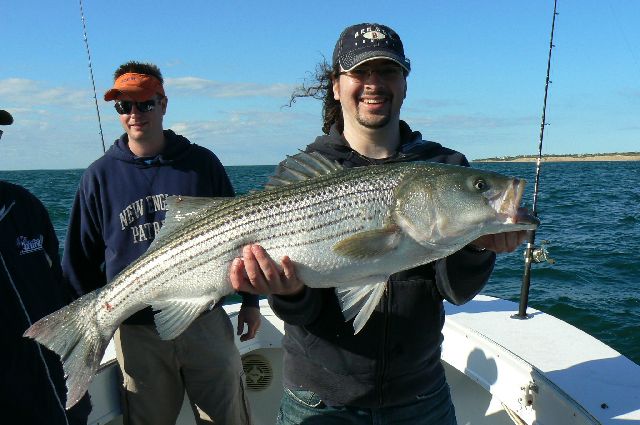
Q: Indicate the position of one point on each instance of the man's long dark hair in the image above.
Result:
(321, 87)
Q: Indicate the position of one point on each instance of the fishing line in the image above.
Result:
(95, 98)
(624, 35)
(526, 279)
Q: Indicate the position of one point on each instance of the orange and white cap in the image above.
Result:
(139, 87)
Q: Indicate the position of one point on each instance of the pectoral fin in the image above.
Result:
(369, 244)
(359, 302)
(176, 315)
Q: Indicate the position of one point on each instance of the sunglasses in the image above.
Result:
(124, 107)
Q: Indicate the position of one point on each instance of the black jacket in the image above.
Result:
(396, 356)
(31, 286)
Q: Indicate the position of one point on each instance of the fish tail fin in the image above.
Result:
(74, 333)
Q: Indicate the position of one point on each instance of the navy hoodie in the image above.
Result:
(396, 356)
(121, 205)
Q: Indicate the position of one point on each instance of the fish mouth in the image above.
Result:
(525, 218)
(507, 205)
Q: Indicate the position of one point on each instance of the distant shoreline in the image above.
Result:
(627, 156)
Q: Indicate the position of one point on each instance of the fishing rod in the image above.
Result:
(95, 98)
(529, 253)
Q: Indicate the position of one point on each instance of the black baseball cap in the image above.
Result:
(5, 118)
(364, 42)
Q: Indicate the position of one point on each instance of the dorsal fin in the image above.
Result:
(181, 208)
(301, 166)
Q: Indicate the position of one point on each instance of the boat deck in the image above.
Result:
(501, 371)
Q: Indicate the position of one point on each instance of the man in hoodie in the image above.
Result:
(118, 210)
(390, 372)
(31, 286)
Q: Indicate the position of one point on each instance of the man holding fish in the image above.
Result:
(371, 234)
(390, 371)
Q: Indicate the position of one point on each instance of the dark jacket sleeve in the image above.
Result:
(249, 300)
(302, 309)
(83, 260)
(462, 275)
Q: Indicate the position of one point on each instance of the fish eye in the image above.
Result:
(480, 184)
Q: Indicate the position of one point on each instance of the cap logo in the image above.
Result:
(129, 78)
(371, 33)
(374, 35)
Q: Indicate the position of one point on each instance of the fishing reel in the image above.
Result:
(540, 255)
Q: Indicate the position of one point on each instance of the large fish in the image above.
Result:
(344, 228)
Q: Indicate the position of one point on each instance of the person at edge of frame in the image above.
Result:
(390, 372)
(118, 210)
(31, 286)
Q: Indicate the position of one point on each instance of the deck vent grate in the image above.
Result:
(257, 371)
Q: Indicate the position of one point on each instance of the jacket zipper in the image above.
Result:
(383, 362)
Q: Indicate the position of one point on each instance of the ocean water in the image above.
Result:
(590, 213)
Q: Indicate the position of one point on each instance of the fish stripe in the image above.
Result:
(258, 218)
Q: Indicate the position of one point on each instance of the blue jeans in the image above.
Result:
(306, 408)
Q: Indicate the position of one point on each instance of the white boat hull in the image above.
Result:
(501, 371)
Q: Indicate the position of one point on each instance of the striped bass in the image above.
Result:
(344, 228)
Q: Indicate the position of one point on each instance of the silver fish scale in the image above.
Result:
(195, 259)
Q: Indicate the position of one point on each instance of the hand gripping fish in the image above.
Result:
(348, 229)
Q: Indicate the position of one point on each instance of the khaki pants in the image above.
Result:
(203, 361)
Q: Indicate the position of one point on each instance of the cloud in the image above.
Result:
(54, 119)
(462, 121)
(216, 89)
(236, 123)
(22, 91)
(252, 136)
(173, 63)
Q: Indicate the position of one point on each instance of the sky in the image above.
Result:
(477, 81)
